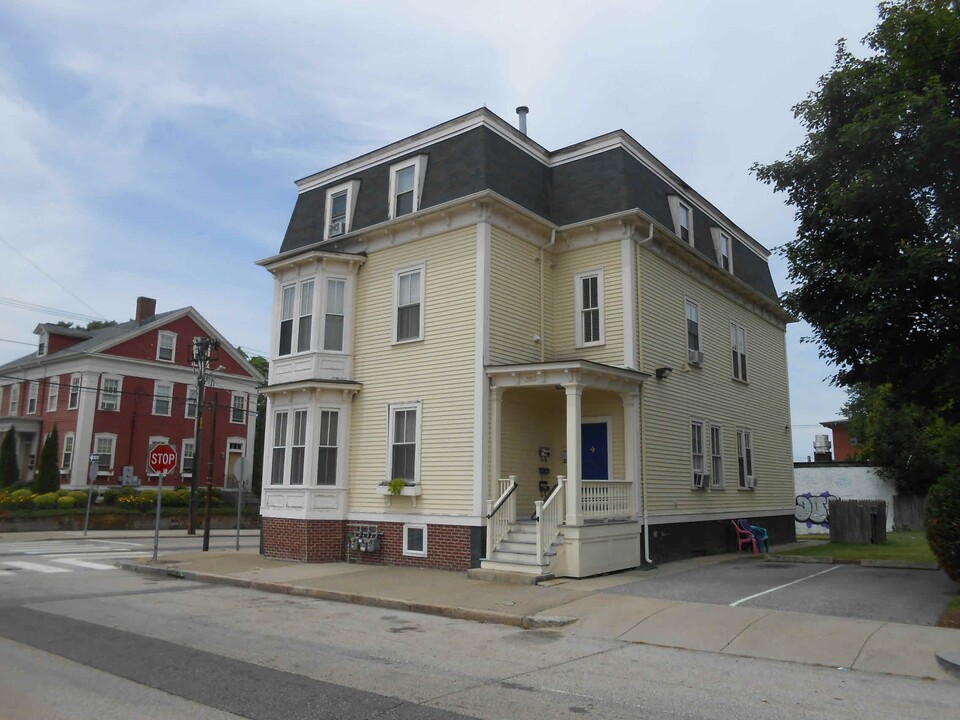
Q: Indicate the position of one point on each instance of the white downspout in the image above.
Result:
(553, 239)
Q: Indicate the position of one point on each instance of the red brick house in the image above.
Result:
(120, 390)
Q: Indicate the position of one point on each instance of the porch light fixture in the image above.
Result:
(664, 372)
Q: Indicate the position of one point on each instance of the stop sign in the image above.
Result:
(162, 459)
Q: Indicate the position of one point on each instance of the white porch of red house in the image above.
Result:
(574, 526)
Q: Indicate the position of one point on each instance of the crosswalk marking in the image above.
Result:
(83, 564)
(33, 567)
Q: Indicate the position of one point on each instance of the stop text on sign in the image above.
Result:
(162, 458)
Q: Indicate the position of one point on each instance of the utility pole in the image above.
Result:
(202, 349)
(210, 462)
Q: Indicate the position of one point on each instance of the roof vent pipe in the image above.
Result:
(522, 112)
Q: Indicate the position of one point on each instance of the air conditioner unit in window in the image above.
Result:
(338, 227)
(701, 481)
(695, 357)
(750, 482)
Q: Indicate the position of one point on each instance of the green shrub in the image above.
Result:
(66, 502)
(148, 497)
(47, 501)
(80, 496)
(943, 523)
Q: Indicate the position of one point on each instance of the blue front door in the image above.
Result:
(593, 451)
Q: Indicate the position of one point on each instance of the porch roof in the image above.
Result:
(22, 424)
(566, 372)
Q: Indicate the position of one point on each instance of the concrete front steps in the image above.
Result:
(517, 556)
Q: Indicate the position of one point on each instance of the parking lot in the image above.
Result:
(917, 597)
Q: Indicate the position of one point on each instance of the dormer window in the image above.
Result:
(406, 186)
(723, 245)
(340, 204)
(682, 213)
(685, 215)
(42, 346)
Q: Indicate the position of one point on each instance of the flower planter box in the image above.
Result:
(409, 490)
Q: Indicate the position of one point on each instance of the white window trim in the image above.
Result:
(295, 318)
(113, 451)
(419, 165)
(152, 442)
(173, 351)
(675, 201)
(43, 344)
(742, 444)
(79, 386)
(15, 399)
(715, 234)
(338, 447)
(186, 402)
(287, 412)
(33, 397)
(292, 444)
(420, 267)
(326, 311)
(64, 465)
(191, 442)
(119, 393)
(742, 367)
(717, 482)
(698, 422)
(393, 408)
(415, 553)
(578, 291)
(53, 393)
(351, 189)
(233, 399)
(156, 396)
(686, 334)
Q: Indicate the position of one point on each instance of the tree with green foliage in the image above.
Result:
(905, 441)
(876, 189)
(943, 523)
(9, 469)
(48, 471)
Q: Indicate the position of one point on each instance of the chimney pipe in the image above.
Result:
(146, 308)
(522, 112)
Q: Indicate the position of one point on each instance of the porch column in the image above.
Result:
(496, 412)
(83, 434)
(574, 396)
(631, 443)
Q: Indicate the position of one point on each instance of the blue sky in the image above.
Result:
(150, 148)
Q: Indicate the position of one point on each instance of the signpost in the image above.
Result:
(162, 459)
(91, 476)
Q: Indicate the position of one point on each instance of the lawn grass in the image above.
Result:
(908, 546)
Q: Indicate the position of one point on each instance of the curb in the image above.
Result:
(950, 662)
(893, 564)
(527, 622)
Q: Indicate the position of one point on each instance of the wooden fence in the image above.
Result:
(858, 521)
(909, 512)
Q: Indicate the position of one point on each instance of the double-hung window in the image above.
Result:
(14, 399)
(73, 402)
(162, 398)
(725, 252)
(333, 316)
(190, 405)
(238, 408)
(67, 460)
(696, 451)
(338, 209)
(686, 219)
(298, 447)
(279, 447)
(694, 351)
(716, 456)
(338, 213)
(110, 393)
(166, 345)
(738, 345)
(104, 445)
(409, 304)
(745, 457)
(287, 297)
(589, 299)
(406, 181)
(306, 316)
(53, 394)
(186, 457)
(404, 437)
(33, 392)
(327, 448)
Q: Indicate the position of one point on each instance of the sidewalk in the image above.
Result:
(580, 607)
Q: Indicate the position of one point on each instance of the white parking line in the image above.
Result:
(781, 587)
(33, 567)
(84, 564)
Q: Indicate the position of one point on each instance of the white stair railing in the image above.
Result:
(550, 515)
(501, 514)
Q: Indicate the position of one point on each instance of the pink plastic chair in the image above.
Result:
(744, 537)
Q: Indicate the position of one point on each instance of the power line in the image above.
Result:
(23, 305)
(53, 279)
(18, 342)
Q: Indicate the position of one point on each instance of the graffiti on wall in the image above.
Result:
(814, 509)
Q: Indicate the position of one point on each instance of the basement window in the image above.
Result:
(415, 540)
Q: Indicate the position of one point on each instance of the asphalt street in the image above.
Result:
(916, 597)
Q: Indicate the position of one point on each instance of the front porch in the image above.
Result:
(567, 437)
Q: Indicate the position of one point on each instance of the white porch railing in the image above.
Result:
(502, 513)
(550, 515)
(606, 499)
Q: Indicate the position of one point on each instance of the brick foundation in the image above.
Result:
(448, 546)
